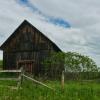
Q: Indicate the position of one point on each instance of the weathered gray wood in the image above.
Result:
(62, 80)
(20, 78)
(27, 43)
(9, 79)
(16, 79)
(11, 71)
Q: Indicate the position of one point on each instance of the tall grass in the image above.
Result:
(30, 91)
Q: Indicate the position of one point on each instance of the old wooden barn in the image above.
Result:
(27, 47)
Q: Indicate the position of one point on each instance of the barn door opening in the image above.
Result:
(28, 65)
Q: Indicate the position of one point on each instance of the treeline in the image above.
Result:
(71, 62)
(75, 66)
(82, 76)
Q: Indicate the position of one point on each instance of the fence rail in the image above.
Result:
(11, 71)
(9, 79)
(38, 82)
(20, 78)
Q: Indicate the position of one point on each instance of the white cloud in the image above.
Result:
(78, 12)
(83, 15)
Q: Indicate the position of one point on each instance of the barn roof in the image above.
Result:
(15, 32)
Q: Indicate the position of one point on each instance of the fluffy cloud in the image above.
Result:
(82, 15)
(79, 12)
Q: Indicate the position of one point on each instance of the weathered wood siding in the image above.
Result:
(27, 44)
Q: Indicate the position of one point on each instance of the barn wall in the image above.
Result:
(27, 44)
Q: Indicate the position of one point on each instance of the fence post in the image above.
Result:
(22, 72)
(62, 80)
(20, 78)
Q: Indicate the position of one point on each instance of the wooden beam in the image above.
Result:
(9, 79)
(37, 81)
(5, 71)
(26, 61)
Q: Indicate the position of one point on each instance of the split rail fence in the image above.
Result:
(20, 77)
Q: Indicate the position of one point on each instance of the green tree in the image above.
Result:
(70, 61)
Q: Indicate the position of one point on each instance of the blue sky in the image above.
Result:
(54, 20)
(72, 24)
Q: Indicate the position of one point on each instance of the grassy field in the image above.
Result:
(31, 91)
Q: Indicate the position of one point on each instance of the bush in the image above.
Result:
(82, 75)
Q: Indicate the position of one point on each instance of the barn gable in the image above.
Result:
(27, 47)
(26, 28)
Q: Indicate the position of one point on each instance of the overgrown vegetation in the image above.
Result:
(82, 75)
(72, 91)
(8, 75)
(1, 62)
(72, 62)
(77, 67)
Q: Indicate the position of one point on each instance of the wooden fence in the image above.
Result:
(20, 78)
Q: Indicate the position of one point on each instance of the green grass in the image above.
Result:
(8, 75)
(31, 91)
